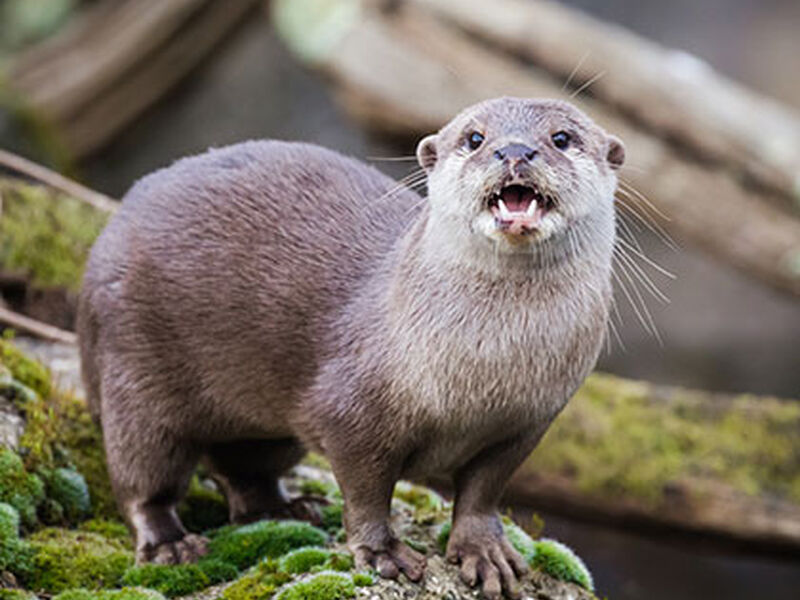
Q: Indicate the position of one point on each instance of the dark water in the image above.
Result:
(628, 566)
(721, 330)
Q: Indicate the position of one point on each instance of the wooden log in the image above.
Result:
(408, 73)
(670, 92)
(636, 454)
(116, 60)
(57, 181)
(36, 328)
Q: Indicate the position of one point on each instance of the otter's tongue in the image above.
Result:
(517, 198)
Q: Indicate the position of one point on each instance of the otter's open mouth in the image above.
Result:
(518, 209)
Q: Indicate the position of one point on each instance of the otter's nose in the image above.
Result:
(515, 152)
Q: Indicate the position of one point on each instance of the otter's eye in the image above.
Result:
(561, 140)
(474, 140)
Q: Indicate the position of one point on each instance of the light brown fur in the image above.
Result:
(266, 298)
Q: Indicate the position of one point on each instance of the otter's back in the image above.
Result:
(226, 268)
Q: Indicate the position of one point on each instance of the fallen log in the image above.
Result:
(651, 457)
(114, 61)
(406, 72)
(24, 324)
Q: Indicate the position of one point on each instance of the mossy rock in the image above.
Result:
(65, 559)
(244, 546)
(323, 586)
(262, 582)
(109, 529)
(180, 580)
(69, 489)
(16, 594)
(560, 562)
(126, 593)
(22, 490)
(46, 235)
(59, 441)
(13, 551)
(313, 558)
(24, 370)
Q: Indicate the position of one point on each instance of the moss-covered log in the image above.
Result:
(634, 453)
(45, 237)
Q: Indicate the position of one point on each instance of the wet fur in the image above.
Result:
(269, 297)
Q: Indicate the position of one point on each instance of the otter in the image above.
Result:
(268, 298)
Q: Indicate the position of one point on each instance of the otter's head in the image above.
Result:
(516, 172)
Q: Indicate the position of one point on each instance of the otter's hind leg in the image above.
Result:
(249, 472)
(150, 464)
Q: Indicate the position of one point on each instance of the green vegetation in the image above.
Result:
(68, 488)
(45, 235)
(123, 594)
(260, 583)
(244, 546)
(64, 559)
(323, 586)
(179, 580)
(202, 508)
(622, 438)
(560, 562)
(22, 490)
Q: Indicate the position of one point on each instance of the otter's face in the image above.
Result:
(520, 171)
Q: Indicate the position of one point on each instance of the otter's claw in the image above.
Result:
(389, 562)
(493, 562)
(186, 550)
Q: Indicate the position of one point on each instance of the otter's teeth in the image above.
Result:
(531, 208)
(504, 212)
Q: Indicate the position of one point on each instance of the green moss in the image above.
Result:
(560, 562)
(323, 586)
(125, 593)
(10, 545)
(22, 490)
(46, 235)
(24, 370)
(65, 559)
(518, 538)
(301, 560)
(620, 438)
(332, 517)
(444, 536)
(180, 580)
(202, 508)
(363, 579)
(261, 583)
(428, 506)
(244, 546)
(82, 443)
(114, 530)
(316, 487)
(15, 594)
(69, 489)
(218, 571)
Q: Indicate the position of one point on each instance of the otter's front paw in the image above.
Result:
(487, 556)
(185, 550)
(390, 559)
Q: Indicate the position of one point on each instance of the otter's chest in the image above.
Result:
(477, 381)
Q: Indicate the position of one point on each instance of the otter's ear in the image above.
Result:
(616, 152)
(426, 153)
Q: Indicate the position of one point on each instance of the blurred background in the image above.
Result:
(705, 94)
